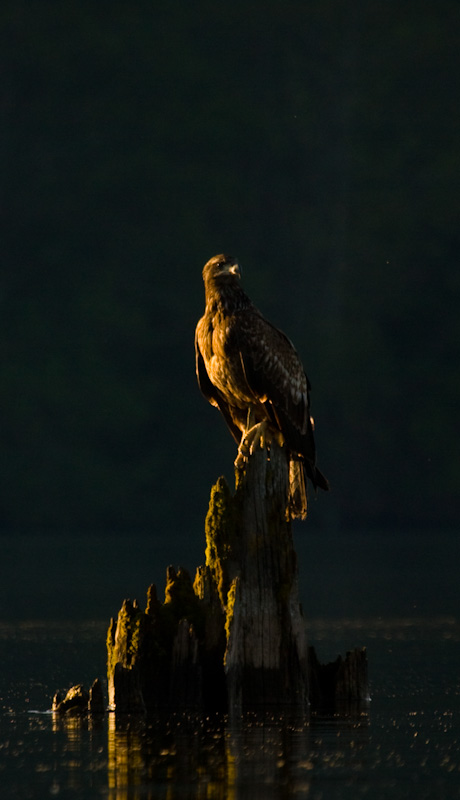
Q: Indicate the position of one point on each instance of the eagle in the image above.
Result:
(252, 373)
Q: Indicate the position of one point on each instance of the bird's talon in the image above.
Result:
(240, 460)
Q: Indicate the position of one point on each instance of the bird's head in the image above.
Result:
(221, 267)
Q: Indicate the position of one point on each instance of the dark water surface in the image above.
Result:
(404, 744)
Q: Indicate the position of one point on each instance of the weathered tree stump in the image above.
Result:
(236, 638)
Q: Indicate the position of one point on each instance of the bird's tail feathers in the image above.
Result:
(299, 470)
(316, 476)
(321, 481)
(297, 489)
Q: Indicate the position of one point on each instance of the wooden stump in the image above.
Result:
(236, 638)
(266, 649)
(79, 702)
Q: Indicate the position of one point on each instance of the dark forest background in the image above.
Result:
(319, 143)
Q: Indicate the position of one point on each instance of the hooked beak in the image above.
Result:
(235, 269)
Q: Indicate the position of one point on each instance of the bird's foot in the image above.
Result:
(256, 436)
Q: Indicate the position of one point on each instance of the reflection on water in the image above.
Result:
(165, 758)
(82, 751)
(404, 744)
(211, 757)
(394, 751)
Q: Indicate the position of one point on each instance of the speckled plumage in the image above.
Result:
(242, 360)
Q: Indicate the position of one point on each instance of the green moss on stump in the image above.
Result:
(230, 608)
(221, 528)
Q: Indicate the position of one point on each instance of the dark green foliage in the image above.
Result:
(316, 141)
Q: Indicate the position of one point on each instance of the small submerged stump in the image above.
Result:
(234, 639)
(342, 683)
(79, 702)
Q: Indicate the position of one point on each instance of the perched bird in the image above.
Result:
(250, 370)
